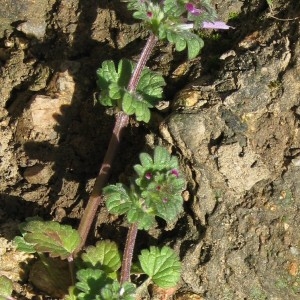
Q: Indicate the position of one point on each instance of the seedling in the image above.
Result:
(101, 271)
(134, 90)
(155, 192)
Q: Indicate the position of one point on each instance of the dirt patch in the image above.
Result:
(233, 121)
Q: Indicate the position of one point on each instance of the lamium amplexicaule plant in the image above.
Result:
(100, 271)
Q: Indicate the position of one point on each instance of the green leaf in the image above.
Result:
(174, 8)
(94, 285)
(195, 44)
(113, 84)
(142, 112)
(162, 161)
(105, 99)
(128, 104)
(73, 293)
(146, 160)
(107, 74)
(183, 38)
(51, 237)
(117, 199)
(105, 256)
(90, 282)
(6, 288)
(139, 104)
(143, 217)
(22, 245)
(157, 191)
(125, 69)
(160, 184)
(161, 157)
(180, 44)
(115, 291)
(120, 200)
(161, 265)
(150, 87)
(114, 91)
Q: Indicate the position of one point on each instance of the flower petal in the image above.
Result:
(216, 25)
(191, 8)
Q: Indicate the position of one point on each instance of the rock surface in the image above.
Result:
(233, 121)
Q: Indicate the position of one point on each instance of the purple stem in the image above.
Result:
(128, 253)
(96, 195)
(121, 122)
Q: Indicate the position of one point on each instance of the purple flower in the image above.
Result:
(191, 8)
(216, 25)
(148, 175)
(165, 200)
(175, 173)
(149, 14)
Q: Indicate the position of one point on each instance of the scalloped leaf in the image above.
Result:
(112, 80)
(128, 104)
(73, 293)
(146, 160)
(166, 201)
(104, 98)
(161, 265)
(113, 84)
(142, 112)
(184, 38)
(162, 161)
(138, 6)
(94, 285)
(120, 200)
(115, 92)
(175, 38)
(168, 208)
(117, 199)
(22, 245)
(174, 8)
(125, 291)
(125, 69)
(48, 236)
(6, 288)
(161, 157)
(105, 256)
(107, 74)
(194, 44)
(136, 105)
(150, 87)
(90, 282)
(157, 191)
(145, 219)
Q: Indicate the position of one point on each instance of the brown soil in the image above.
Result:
(233, 119)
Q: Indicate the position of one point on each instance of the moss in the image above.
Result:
(233, 16)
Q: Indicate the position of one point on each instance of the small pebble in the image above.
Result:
(294, 250)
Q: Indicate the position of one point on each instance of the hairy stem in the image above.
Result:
(96, 197)
(141, 63)
(128, 252)
(121, 122)
(72, 269)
